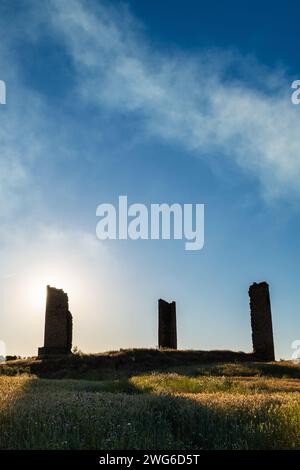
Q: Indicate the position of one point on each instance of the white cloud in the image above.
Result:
(23, 133)
(190, 100)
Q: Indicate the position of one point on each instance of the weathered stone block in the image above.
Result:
(167, 330)
(58, 324)
(261, 321)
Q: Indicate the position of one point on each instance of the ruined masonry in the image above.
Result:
(167, 330)
(261, 321)
(58, 324)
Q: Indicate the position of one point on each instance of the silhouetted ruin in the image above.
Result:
(261, 321)
(167, 330)
(58, 324)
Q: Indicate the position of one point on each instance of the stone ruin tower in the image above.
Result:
(58, 324)
(261, 321)
(167, 330)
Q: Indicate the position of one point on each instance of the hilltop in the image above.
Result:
(128, 362)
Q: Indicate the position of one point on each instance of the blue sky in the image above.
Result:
(183, 102)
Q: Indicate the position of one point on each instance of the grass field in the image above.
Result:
(220, 406)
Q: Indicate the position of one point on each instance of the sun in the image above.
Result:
(37, 289)
(32, 287)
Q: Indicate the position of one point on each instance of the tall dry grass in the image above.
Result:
(152, 411)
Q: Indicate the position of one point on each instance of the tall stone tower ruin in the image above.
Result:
(261, 321)
(167, 330)
(58, 324)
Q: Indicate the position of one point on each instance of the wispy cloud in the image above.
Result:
(20, 135)
(211, 102)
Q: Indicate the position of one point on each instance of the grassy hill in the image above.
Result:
(196, 405)
(117, 363)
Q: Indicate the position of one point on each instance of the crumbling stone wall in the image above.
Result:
(261, 321)
(58, 324)
(167, 330)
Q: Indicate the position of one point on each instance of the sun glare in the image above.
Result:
(38, 297)
(37, 288)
